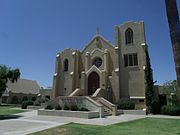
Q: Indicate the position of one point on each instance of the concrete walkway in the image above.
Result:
(30, 122)
(164, 116)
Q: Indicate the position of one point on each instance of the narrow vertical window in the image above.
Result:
(135, 60)
(125, 60)
(66, 65)
(130, 60)
(129, 36)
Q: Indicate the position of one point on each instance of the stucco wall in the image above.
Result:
(123, 81)
(132, 83)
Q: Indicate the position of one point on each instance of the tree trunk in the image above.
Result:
(0, 100)
(174, 27)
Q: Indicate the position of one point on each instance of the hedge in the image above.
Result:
(126, 104)
(170, 110)
(25, 104)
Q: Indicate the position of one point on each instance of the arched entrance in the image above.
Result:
(93, 83)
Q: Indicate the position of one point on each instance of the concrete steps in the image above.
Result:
(108, 107)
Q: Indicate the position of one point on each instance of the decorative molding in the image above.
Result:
(116, 70)
(143, 44)
(57, 56)
(137, 97)
(116, 48)
(55, 74)
(71, 73)
(73, 53)
(95, 69)
(96, 49)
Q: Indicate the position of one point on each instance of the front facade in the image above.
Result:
(103, 69)
(21, 90)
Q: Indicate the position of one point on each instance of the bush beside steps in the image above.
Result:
(58, 107)
(66, 107)
(49, 107)
(26, 103)
(126, 104)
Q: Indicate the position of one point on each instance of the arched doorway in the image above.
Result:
(93, 83)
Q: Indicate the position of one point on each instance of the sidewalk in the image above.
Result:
(164, 116)
(30, 122)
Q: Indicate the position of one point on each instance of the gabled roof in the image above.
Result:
(24, 86)
(101, 38)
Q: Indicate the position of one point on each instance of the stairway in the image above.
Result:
(107, 112)
(109, 108)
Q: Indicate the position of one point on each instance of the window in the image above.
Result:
(48, 97)
(141, 100)
(125, 60)
(130, 60)
(97, 62)
(135, 60)
(66, 64)
(129, 36)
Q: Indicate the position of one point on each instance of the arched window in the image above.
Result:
(97, 62)
(66, 65)
(129, 36)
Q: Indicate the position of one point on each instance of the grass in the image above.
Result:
(7, 111)
(147, 126)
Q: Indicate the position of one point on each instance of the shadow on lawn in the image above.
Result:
(9, 105)
(6, 117)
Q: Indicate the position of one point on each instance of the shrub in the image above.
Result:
(33, 98)
(156, 107)
(170, 110)
(173, 100)
(74, 108)
(25, 104)
(49, 107)
(25, 98)
(126, 104)
(83, 109)
(44, 100)
(14, 100)
(52, 104)
(58, 107)
(37, 103)
(66, 107)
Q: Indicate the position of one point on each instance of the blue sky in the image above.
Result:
(32, 32)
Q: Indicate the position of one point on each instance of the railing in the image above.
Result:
(76, 92)
(98, 92)
(108, 105)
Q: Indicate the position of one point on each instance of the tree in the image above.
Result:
(149, 92)
(174, 27)
(7, 74)
(171, 89)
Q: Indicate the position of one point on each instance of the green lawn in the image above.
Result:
(7, 111)
(147, 126)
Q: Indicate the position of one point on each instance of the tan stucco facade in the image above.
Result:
(100, 70)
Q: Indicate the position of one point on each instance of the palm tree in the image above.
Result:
(174, 27)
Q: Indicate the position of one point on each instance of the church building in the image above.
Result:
(103, 69)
